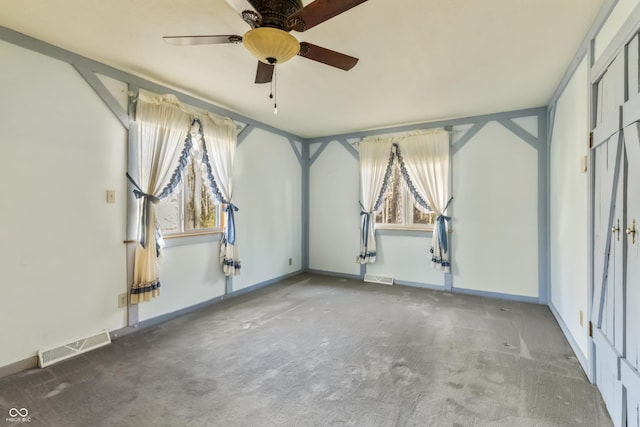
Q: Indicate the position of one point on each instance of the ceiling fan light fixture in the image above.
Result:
(271, 45)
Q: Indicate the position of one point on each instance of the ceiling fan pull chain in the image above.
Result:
(274, 91)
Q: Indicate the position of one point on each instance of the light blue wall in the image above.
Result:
(499, 210)
(64, 260)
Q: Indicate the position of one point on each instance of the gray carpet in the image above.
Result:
(317, 351)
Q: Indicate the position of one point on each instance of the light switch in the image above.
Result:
(111, 196)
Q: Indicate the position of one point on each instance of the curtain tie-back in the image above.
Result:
(442, 230)
(148, 197)
(146, 210)
(231, 223)
(365, 227)
(441, 225)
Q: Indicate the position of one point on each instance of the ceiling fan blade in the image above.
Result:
(319, 11)
(264, 74)
(195, 40)
(326, 56)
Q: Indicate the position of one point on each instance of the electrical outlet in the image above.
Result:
(111, 196)
(581, 318)
(122, 300)
(290, 261)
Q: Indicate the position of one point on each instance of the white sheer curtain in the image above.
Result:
(163, 150)
(220, 136)
(424, 161)
(376, 156)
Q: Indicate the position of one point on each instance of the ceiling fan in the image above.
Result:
(269, 39)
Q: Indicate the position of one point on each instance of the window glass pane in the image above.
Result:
(392, 211)
(168, 212)
(420, 217)
(398, 207)
(207, 209)
(190, 217)
(200, 211)
(189, 208)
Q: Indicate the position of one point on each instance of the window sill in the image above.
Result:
(191, 234)
(423, 228)
(193, 238)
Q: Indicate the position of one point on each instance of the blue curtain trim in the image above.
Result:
(385, 182)
(182, 163)
(212, 181)
(231, 263)
(367, 255)
(412, 189)
(439, 260)
(144, 290)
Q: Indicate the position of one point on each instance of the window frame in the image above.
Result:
(407, 200)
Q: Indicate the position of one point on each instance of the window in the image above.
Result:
(398, 208)
(190, 208)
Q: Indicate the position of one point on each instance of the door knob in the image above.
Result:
(632, 231)
(616, 229)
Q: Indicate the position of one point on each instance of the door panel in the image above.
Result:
(607, 375)
(611, 91)
(633, 49)
(606, 207)
(632, 148)
(631, 381)
(608, 304)
(615, 311)
(608, 308)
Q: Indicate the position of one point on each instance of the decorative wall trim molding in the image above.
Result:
(436, 124)
(82, 62)
(319, 151)
(296, 151)
(104, 94)
(521, 133)
(355, 153)
(468, 135)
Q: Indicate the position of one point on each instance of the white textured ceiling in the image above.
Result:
(420, 60)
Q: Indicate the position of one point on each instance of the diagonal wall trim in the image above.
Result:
(104, 94)
(295, 150)
(467, 137)
(76, 60)
(244, 133)
(520, 133)
(350, 148)
(318, 152)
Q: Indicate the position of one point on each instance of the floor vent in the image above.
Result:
(384, 280)
(57, 354)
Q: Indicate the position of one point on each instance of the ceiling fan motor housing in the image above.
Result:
(276, 12)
